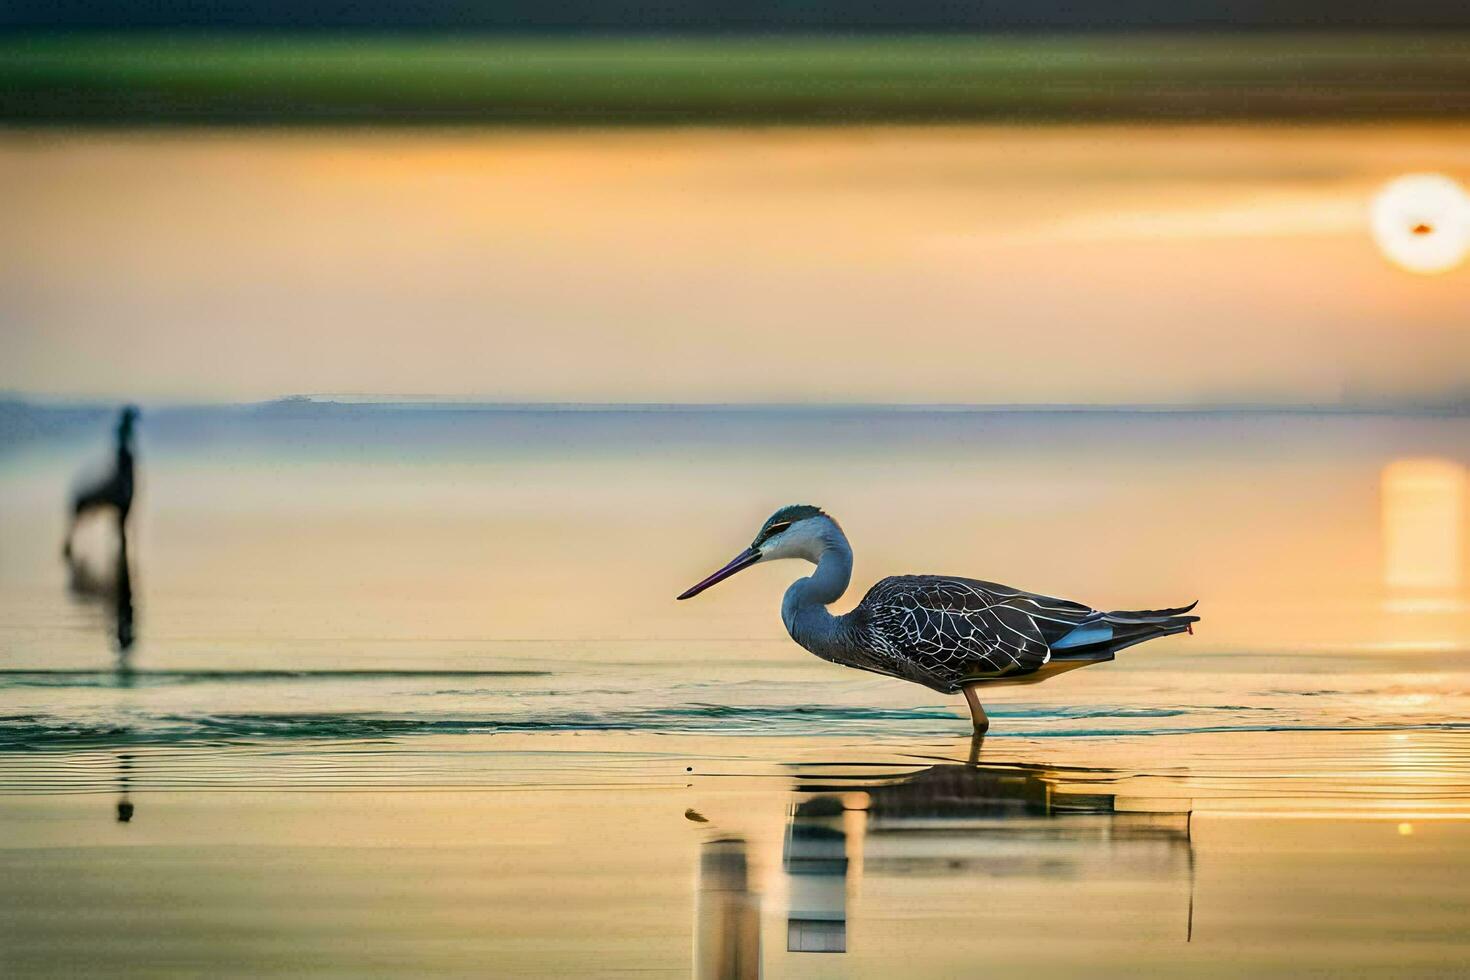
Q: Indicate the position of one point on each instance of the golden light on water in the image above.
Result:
(1423, 524)
(1421, 223)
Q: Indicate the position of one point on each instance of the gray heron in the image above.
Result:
(949, 634)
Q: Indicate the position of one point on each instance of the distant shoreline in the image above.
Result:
(11, 405)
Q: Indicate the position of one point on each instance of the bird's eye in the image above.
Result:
(775, 529)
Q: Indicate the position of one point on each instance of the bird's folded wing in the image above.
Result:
(964, 626)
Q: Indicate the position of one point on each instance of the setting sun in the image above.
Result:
(1421, 222)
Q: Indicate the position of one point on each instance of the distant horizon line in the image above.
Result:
(1455, 405)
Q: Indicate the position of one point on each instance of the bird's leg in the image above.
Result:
(977, 740)
(977, 710)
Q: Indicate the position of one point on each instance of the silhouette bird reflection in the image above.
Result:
(112, 587)
(727, 928)
(815, 858)
(1027, 829)
(124, 784)
(108, 582)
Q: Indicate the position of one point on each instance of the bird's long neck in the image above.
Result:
(124, 449)
(804, 610)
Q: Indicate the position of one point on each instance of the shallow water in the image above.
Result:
(390, 569)
(410, 690)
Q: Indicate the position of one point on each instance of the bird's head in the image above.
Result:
(125, 420)
(797, 531)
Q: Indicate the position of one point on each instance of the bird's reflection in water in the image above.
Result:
(1016, 826)
(815, 859)
(124, 785)
(109, 586)
(727, 929)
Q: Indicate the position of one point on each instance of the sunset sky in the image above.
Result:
(975, 265)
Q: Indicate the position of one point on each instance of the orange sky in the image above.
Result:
(946, 265)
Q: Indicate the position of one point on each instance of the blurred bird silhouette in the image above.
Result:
(112, 586)
(114, 491)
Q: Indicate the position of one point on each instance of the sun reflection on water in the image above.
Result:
(1423, 521)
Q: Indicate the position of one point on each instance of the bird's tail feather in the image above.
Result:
(1114, 631)
(1160, 617)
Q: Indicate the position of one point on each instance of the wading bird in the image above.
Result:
(948, 634)
(114, 491)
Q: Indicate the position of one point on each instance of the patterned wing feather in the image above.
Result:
(941, 631)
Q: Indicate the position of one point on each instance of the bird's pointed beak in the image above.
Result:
(745, 559)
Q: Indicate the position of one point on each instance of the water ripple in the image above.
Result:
(23, 732)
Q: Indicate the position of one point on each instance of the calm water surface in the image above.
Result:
(464, 616)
